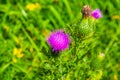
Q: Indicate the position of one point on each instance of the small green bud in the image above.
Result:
(86, 27)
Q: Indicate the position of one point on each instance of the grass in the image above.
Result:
(25, 54)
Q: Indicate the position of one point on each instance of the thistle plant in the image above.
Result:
(79, 31)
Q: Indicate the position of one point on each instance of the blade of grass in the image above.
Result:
(34, 45)
(68, 9)
(57, 15)
(41, 55)
(4, 67)
(20, 67)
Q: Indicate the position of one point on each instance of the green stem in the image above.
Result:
(32, 42)
(75, 39)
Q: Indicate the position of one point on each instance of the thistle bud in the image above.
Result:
(86, 11)
(86, 28)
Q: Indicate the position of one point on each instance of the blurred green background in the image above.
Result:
(25, 55)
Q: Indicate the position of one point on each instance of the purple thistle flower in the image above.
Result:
(96, 14)
(59, 40)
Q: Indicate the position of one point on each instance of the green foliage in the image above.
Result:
(25, 54)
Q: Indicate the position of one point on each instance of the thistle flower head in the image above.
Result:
(59, 40)
(86, 11)
(96, 14)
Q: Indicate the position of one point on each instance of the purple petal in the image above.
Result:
(96, 14)
(59, 41)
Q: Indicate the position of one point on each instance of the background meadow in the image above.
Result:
(25, 54)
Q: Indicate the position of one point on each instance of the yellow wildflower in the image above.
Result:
(14, 60)
(6, 27)
(116, 17)
(15, 50)
(32, 6)
(46, 33)
(68, 77)
(115, 77)
(31, 49)
(20, 55)
(101, 56)
(98, 75)
(18, 52)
